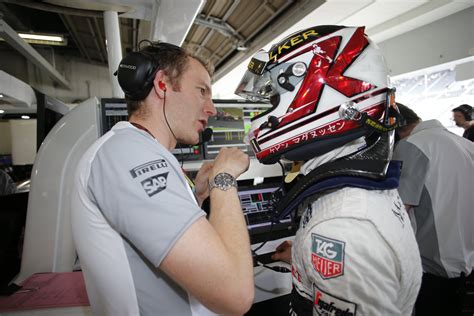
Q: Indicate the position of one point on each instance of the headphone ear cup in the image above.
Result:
(135, 75)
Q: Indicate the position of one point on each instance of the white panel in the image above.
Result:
(465, 71)
(416, 18)
(23, 141)
(445, 40)
(48, 245)
(381, 11)
(172, 19)
(20, 94)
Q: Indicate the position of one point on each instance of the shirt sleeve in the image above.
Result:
(415, 166)
(352, 269)
(144, 197)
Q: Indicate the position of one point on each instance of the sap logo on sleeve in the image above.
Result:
(327, 304)
(327, 256)
(148, 167)
(155, 184)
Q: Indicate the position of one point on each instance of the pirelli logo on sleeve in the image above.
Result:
(152, 175)
(148, 167)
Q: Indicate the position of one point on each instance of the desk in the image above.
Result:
(269, 285)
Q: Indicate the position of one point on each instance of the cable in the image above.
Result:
(168, 124)
(164, 113)
(274, 200)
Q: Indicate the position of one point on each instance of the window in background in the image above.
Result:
(432, 93)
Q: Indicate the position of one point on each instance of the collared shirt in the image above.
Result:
(130, 204)
(437, 180)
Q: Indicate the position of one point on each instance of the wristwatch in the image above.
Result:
(223, 181)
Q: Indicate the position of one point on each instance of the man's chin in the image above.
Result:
(189, 142)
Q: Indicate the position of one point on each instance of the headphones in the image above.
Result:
(136, 71)
(466, 111)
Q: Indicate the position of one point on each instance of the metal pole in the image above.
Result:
(114, 49)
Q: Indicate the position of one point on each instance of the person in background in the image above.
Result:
(436, 186)
(7, 186)
(462, 116)
(144, 244)
(355, 252)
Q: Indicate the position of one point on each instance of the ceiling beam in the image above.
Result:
(72, 30)
(218, 25)
(11, 18)
(96, 39)
(101, 38)
(12, 38)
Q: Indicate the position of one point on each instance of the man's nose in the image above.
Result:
(210, 108)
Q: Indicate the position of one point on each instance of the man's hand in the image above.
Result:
(201, 182)
(283, 252)
(231, 160)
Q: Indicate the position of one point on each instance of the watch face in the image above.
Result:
(224, 181)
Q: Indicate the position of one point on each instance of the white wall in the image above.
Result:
(446, 40)
(23, 134)
(86, 80)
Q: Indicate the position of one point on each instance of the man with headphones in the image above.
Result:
(436, 187)
(144, 244)
(462, 116)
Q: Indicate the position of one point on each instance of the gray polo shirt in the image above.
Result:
(130, 204)
(438, 180)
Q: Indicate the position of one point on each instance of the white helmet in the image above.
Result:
(319, 81)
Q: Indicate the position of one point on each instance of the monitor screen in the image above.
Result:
(115, 110)
(231, 124)
(256, 202)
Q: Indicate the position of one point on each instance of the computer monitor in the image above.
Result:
(115, 110)
(231, 124)
(257, 205)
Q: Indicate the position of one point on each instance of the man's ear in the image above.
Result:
(160, 84)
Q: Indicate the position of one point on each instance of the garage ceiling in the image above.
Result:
(225, 32)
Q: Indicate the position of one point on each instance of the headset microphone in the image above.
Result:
(206, 135)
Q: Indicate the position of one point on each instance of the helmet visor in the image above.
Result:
(256, 84)
(262, 81)
(256, 87)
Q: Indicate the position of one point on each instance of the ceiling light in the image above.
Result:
(41, 37)
(2, 111)
(1, 95)
(45, 39)
(25, 117)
